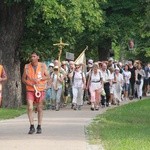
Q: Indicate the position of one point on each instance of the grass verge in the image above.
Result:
(7, 113)
(123, 128)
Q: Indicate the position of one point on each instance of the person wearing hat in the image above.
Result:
(57, 82)
(118, 84)
(49, 88)
(64, 66)
(78, 86)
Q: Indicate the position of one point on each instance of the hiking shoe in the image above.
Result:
(97, 108)
(39, 130)
(72, 106)
(75, 107)
(57, 107)
(79, 107)
(32, 130)
(92, 108)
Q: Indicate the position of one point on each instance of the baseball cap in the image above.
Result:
(51, 65)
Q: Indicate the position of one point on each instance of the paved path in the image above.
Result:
(62, 130)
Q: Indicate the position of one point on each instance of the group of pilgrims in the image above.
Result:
(104, 83)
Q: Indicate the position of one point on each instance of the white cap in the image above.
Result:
(110, 59)
(51, 65)
(90, 61)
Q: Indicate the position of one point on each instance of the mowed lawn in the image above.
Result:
(8, 113)
(123, 128)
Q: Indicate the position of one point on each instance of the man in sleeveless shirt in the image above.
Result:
(35, 78)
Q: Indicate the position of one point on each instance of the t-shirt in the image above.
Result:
(106, 75)
(126, 76)
(96, 77)
(78, 79)
(147, 71)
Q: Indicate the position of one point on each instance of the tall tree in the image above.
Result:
(11, 28)
(123, 21)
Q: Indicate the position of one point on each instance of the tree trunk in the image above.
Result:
(104, 48)
(11, 29)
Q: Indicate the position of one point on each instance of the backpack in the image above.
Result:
(74, 75)
(89, 78)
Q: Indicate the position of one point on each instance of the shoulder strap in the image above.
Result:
(73, 76)
(107, 71)
(82, 77)
(100, 75)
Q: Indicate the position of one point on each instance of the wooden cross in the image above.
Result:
(60, 45)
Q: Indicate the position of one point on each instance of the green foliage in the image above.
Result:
(123, 128)
(8, 113)
(48, 20)
(87, 22)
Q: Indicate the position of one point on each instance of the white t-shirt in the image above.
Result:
(126, 76)
(96, 77)
(105, 75)
(54, 79)
(78, 79)
(95, 81)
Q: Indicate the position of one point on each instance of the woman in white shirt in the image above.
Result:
(95, 86)
(118, 82)
(139, 77)
(126, 77)
(78, 86)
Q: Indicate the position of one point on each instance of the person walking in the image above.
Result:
(106, 81)
(126, 77)
(131, 91)
(35, 78)
(57, 84)
(78, 86)
(118, 83)
(139, 77)
(3, 77)
(95, 86)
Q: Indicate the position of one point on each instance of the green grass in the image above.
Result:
(7, 113)
(124, 128)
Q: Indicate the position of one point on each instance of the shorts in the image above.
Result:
(126, 87)
(146, 82)
(30, 96)
(111, 90)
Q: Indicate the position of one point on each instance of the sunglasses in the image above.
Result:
(55, 69)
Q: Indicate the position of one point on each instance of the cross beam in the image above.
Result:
(60, 45)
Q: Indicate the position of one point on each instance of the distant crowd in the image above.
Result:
(103, 83)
